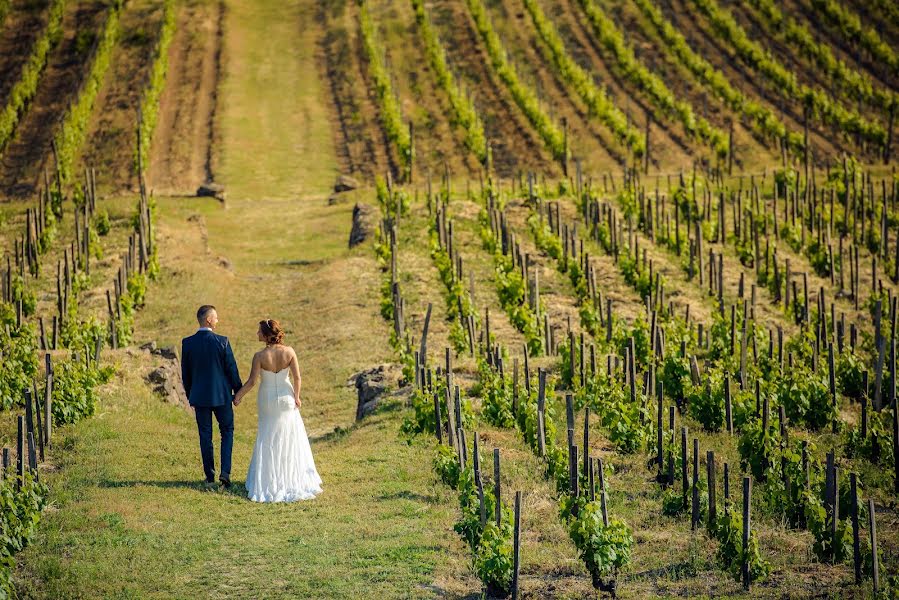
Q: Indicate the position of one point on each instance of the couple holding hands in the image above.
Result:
(282, 468)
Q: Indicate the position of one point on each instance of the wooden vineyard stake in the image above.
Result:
(864, 423)
(541, 400)
(478, 479)
(747, 488)
(670, 478)
(685, 485)
(449, 396)
(872, 528)
(515, 387)
(726, 489)
(29, 413)
(48, 399)
(43, 334)
(632, 370)
(32, 455)
(38, 422)
(710, 478)
(423, 347)
(581, 358)
(856, 545)
(487, 332)
(573, 464)
(496, 486)
(587, 441)
(694, 514)
(660, 434)
(463, 447)
(458, 408)
(733, 327)
(112, 321)
(516, 546)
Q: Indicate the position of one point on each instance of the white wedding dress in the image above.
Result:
(282, 468)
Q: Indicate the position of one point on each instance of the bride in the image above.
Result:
(282, 468)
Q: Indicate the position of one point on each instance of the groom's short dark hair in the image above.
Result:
(203, 312)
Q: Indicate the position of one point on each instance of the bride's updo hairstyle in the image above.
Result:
(271, 331)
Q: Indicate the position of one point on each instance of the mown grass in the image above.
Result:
(130, 519)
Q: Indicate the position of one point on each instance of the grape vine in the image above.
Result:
(24, 89)
(465, 115)
(552, 136)
(815, 102)
(598, 103)
(391, 115)
(612, 40)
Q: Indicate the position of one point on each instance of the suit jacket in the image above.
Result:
(208, 369)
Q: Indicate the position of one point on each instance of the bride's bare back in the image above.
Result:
(276, 358)
(273, 358)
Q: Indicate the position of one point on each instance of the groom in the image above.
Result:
(210, 377)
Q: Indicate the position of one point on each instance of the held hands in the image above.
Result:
(238, 397)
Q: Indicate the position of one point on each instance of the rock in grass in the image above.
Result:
(166, 381)
(364, 217)
(212, 190)
(372, 384)
(168, 352)
(345, 183)
(225, 263)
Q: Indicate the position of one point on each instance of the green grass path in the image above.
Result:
(128, 516)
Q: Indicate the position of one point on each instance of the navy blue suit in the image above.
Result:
(210, 376)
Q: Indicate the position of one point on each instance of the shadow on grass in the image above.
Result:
(407, 495)
(338, 433)
(237, 488)
(302, 262)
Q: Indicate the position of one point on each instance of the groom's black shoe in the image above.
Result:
(226, 483)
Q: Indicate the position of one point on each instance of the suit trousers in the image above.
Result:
(224, 414)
